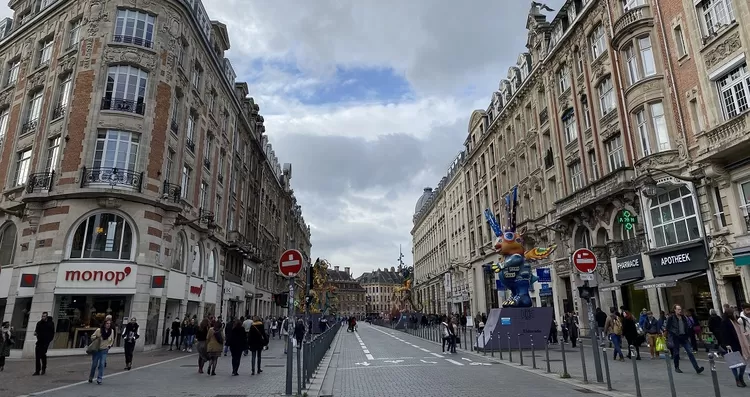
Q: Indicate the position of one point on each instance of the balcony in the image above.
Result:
(220, 178)
(40, 182)
(59, 112)
(543, 116)
(174, 127)
(123, 105)
(190, 145)
(727, 139)
(114, 177)
(549, 159)
(605, 187)
(171, 192)
(133, 40)
(631, 20)
(206, 217)
(207, 164)
(29, 126)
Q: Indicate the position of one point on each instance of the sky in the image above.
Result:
(370, 102)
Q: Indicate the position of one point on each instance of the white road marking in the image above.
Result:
(364, 348)
(464, 358)
(453, 362)
(393, 361)
(364, 363)
(424, 350)
(369, 356)
(428, 362)
(480, 364)
(436, 355)
(366, 351)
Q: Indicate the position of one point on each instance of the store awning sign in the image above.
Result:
(680, 260)
(544, 274)
(158, 281)
(196, 289)
(111, 276)
(629, 267)
(28, 280)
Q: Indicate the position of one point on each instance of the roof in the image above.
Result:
(343, 280)
(379, 276)
(423, 199)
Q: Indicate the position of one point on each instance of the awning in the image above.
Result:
(617, 284)
(666, 281)
(741, 256)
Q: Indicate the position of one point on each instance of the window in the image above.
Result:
(103, 236)
(13, 67)
(3, 123)
(660, 126)
(53, 154)
(594, 165)
(116, 149)
(190, 137)
(586, 115)
(45, 51)
(562, 79)
(217, 209)
(679, 38)
(647, 56)
(571, 130)
(126, 89)
(598, 42)
(615, 153)
(576, 176)
(720, 218)
(197, 267)
(203, 195)
(716, 15)
(175, 109)
(652, 131)
(606, 96)
(8, 244)
(735, 91)
(745, 200)
(185, 182)
(196, 77)
(220, 168)
(182, 50)
(35, 110)
(134, 27)
(63, 99)
(23, 163)
(643, 133)
(169, 166)
(74, 36)
(211, 268)
(673, 218)
(207, 153)
(639, 57)
(231, 209)
(179, 254)
(632, 61)
(630, 4)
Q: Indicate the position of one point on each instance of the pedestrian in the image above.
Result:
(7, 340)
(447, 331)
(201, 334)
(45, 333)
(651, 328)
(175, 334)
(714, 326)
(237, 345)
(274, 327)
(695, 330)
(613, 328)
(299, 332)
(564, 327)
(573, 328)
(601, 319)
(214, 342)
(552, 338)
(678, 336)
(453, 336)
(630, 331)
(734, 337)
(246, 324)
(257, 339)
(189, 336)
(129, 336)
(102, 339)
(284, 333)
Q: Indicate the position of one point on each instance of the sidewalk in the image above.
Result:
(651, 373)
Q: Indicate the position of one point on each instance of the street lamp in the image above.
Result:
(652, 189)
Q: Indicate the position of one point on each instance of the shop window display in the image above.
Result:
(78, 316)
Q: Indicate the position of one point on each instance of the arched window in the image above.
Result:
(582, 238)
(197, 267)
(178, 263)
(103, 236)
(211, 268)
(8, 236)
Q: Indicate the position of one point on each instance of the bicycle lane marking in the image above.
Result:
(364, 348)
(395, 336)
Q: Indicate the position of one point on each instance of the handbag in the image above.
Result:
(94, 346)
(734, 359)
(661, 344)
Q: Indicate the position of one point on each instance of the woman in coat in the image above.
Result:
(734, 338)
(6, 341)
(129, 336)
(237, 345)
(630, 332)
(214, 343)
(257, 339)
(201, 336)
(102, 339)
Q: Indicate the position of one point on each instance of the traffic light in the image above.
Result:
(585, 292)
(281, 300)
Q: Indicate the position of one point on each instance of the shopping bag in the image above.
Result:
(661, 344)
(94, 346)
(734, 359)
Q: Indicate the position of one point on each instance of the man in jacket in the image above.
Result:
(678, 334)
(651, 328)
(45, 333)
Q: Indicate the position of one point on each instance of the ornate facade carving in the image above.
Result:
(6, 97)
(37, 79)
(723, 50)
(130, 55)
(96, 14)
(719, 248)
(667, 159)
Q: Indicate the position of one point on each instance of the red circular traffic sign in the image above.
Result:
(584, 260)
(290, 263)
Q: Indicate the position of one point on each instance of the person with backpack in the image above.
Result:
(613, 328)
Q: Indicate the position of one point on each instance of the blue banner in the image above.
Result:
(546, 290)
(544, 274)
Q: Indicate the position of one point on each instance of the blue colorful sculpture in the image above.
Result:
(515, 270)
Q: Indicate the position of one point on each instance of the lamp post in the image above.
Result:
(651, 189)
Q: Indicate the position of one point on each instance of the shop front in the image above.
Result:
(234, 296)
(629, 271)
(196, 293)
(679, 277)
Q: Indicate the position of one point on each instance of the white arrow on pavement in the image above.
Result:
(465, 359)
(428, 362)
(394, 361)
(480, 364)
(364, 363)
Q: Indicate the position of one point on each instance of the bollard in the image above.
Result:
(533, 355)
(520, 350)
(565, 373)
(484, 340)
(606, 370)
(492, 352)
(633, 357)
(471, 337)
(299, 370)
(510, 351)
(714, 375)
(500, 350)
(583, 363)
(463, 337)
(670, 376)
(546, 353)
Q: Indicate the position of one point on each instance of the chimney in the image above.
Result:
(393, 269)
(336, 268)
(346, 269)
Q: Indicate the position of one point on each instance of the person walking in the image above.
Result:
(299, 332)
(613, 328)
(678, 334)
(630, 331)
(714, 327)
(188, 336)
(735, 339)
(214, 343)
(284, 333)
(102, 339)
(201, 334)
(446, 330)
(246, 324)
(6, 342)
(175, 334)
(651, 328)
(257, 339)
(129, 336)
(45, 333)
(573, 329)
(237, 345)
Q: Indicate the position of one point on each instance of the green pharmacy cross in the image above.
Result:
(627, 219)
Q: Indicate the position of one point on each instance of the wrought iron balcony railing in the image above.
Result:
(40, 182)
(220, 178)
(123, 105)
(30, 126)
(190, 145)
(133, 40)
(113, 177)
(171, 191)
(174, 126)
(207, 163)
(59, 112)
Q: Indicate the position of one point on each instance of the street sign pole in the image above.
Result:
(290, 336)
(595, 340)
(585, 262)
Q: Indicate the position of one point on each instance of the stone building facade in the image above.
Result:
(136, 172)
(380, 286)
(350, 293)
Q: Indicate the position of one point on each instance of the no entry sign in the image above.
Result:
(584, 260)
(290, 263)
